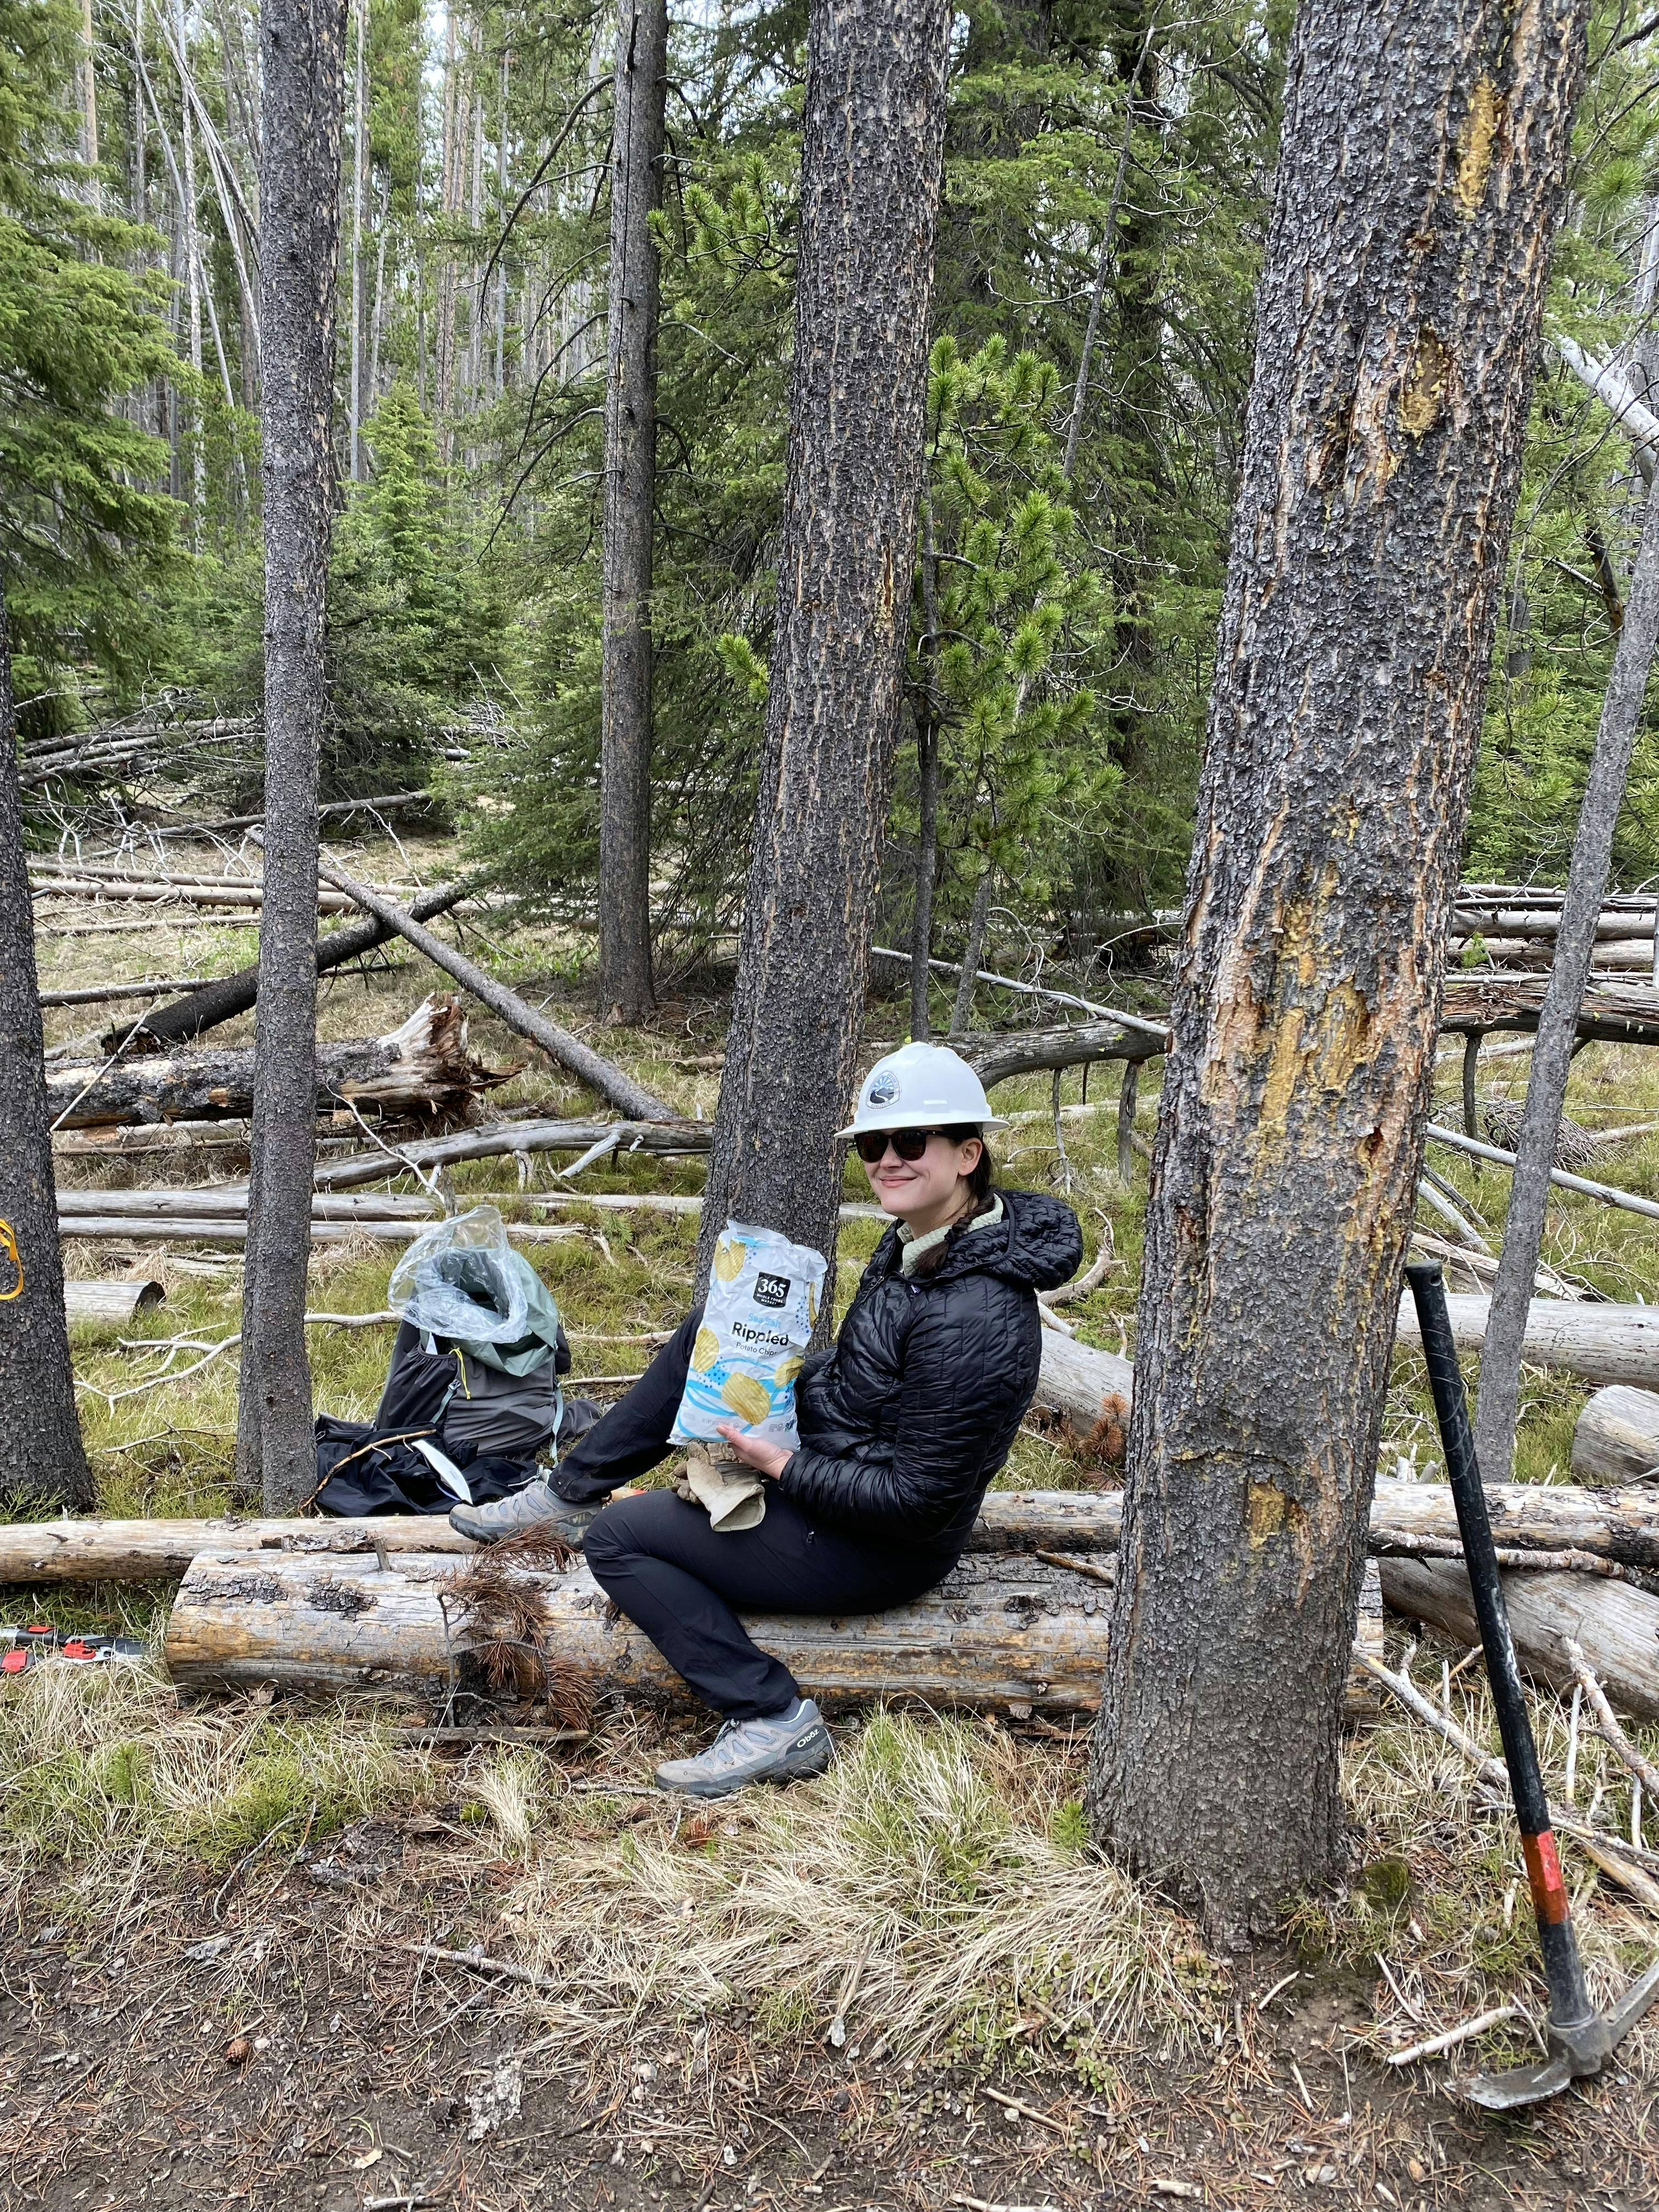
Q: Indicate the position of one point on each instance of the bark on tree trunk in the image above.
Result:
(303, 45)
(1498, 1403)
(961, 1011)
(871, 149)
(44, 1458)
(1396, 324)
(630, 466)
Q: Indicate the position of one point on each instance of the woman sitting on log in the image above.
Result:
(902, 1426)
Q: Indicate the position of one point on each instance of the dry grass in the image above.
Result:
(932, 1889)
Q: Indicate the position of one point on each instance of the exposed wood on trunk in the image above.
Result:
(109, 1301)
(1618, 1626)
(1616, 1436)
(871, 154)
(610, 1081)
(1395, 327)
(44, 1458)
(423, 1066)
(1005, 1633)
(1622, 1525)
(210, 1003)
(638, 110)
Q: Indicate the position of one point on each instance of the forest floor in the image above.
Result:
(905, 1985)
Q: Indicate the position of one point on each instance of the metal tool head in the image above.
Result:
(1575, 2051)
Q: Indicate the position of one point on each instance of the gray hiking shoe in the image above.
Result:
(781, 1748)
(537, 1507)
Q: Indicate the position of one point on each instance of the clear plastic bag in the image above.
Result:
(462, 1278)
(763, 1295)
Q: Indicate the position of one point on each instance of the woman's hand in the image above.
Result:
(769, 1459)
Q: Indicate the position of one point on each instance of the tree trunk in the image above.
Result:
(303, 44)
(961, 1011)
(354, 468)
(630, 469)
(921, 925)
(43, 1457)
(1497, 1406)
(871, 149)
(1396, 324)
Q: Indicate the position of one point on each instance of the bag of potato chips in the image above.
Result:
(763, 1295)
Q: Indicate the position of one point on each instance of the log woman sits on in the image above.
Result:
(902, 1426)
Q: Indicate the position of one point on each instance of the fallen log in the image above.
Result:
(1609, 1014)
(110, 1301)
(507, 1138)
(1600, 1343)
(1617, 1525)
(168, 892)
(1005, 1631)
(228, 1201)
(232, 1229)
(610, 1081)
(998, 1055)
(205, 1006)
(102, 994)
(1616, 1436)
(1597, 1342)
(422, 1066)
(1617, 1627)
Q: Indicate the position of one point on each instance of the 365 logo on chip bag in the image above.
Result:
(762, 1303)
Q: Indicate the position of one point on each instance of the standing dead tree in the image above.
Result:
(1499, 1405)
(43, 1457)
(1397, 322)
(871, 154)
(630, 469)
(302, 46)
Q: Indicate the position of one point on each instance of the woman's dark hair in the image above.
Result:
(980, 1180)
(982, 1174)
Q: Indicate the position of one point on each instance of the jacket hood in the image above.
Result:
(1037, 1243)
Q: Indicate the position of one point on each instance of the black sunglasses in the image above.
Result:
(871, 1145)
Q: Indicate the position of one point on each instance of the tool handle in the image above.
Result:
(1569, 1997)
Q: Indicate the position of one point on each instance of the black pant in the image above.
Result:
(679, 1580)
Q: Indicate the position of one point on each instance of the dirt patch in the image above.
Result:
(302, 2052)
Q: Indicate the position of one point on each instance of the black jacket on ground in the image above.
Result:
(905, 1422)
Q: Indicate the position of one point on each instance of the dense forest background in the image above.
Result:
(1108, 169)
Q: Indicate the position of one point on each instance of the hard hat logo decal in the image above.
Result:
(885, 1090)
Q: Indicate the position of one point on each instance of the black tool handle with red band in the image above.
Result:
(1570, 2004)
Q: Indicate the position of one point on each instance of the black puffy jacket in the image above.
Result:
(905, 1422)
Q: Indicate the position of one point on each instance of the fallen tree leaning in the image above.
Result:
(604, 1075)
(208, 1005)
(422, 1066)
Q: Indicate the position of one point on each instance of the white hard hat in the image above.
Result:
(921, 1086)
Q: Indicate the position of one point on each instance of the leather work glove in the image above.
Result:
(732, 1495)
